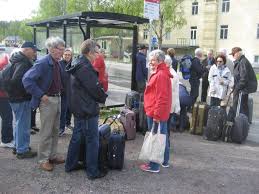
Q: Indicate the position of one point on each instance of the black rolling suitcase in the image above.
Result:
(116, 150)
(142, 119)
(215, 123)
(250, 109)
(240, 127)
(132, 99)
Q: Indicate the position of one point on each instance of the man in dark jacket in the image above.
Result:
(196, 72)
(86, 93)
(66, 60)
(141, 69)
(244, 79)
(206, 65)
(20, 99)
(44, 82)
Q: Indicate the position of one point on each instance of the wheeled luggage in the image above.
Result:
(199, 118)
(116, 150)
(142, 119)
(216, 121)
(128, 120)
(240, 128)
(132, 99)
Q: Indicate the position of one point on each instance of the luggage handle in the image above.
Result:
(113, 117)
(239, 104)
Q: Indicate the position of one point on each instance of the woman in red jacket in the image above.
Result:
(6, 114)
(157, 102)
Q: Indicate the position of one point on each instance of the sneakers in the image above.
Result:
(7, 145)
(147, 168)
(100, 175)
(28, 154)
(165, 165)
(46, 166)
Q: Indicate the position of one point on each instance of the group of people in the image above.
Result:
(57, 86)
(165, 96)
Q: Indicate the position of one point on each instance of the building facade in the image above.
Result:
(217, 24)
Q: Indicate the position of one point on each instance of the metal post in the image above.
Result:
(65, 32)
(150, 35)
(134, 53)
(34, 35)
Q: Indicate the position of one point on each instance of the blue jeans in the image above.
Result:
(87, 129)
(163, 130)
(64, 105)
(7, 119)
(22, 112)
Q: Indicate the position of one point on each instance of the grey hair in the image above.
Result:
(168, 60)
(158, 54)
(223, 51)
(54, 42)
(197, 51)
(68, 49)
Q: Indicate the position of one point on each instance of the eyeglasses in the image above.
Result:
(219, 61)
(60, 49)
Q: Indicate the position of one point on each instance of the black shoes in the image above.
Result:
(100, 175)
(28, 154)
(35, 128)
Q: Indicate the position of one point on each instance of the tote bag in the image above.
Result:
(153, 147)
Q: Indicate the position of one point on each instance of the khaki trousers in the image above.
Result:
(50, 119)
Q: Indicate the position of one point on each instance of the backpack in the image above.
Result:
(185, 66)
(5, 77)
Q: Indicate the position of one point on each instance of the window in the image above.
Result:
(256, 60)
(195, 8)
(225, 5)
(224, 32)
(168, 35)
(104, 46)
(145, 34)
(193, 35)
(193, 32)
(257, 31)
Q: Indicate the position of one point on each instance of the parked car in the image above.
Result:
(2, 47)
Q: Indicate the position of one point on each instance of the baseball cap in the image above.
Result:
(142, 46)
(30, 45)
(235, 50)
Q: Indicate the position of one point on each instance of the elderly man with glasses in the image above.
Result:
(43, 82)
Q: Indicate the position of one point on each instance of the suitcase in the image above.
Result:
(215, 123)
(240, 127)
(116, 150)
(199, 118)
(132, 99)
(128, 120)
(250, 109)
(142, 119)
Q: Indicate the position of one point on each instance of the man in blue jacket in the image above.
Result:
(43, 82)
(141, 69)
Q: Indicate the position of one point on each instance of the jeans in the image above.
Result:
(64, 105)
(22, 112)
(87, 129)
(163, 130)
(7, 119)
(195, 84)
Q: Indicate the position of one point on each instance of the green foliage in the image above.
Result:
(257, 76)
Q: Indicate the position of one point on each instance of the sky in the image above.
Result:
(11, 10)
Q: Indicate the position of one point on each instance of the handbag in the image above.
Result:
(153, 147)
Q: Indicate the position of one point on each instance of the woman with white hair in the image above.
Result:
(175, 107)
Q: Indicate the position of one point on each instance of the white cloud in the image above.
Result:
(17, 9)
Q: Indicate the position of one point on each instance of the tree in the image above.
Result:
(171, 17)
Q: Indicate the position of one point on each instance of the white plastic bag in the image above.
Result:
(153, 147)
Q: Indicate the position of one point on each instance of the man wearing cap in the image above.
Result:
(141, 69)
(19, 99)
(44, 82)
(244, 79)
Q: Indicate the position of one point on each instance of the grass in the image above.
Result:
(104, 113)
(257, 76)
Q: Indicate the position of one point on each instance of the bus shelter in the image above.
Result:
(116, 33)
